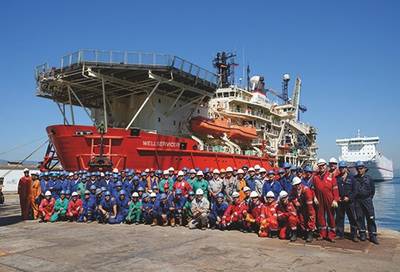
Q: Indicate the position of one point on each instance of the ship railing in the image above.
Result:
(133, 58)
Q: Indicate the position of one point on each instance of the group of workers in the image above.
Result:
(286, 203)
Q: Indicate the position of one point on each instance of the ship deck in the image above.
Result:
(85, 75)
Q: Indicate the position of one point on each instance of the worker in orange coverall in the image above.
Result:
(302, 198)
(46, 207)
(24, 191)
(269, 223)
(287, 217)
(35, 193)
(327, 194)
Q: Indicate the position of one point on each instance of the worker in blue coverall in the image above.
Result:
(272, 185)
(346, 203)
(176, 203)
(364, 191)
(148, 207)
(122, 204)
(307, 178)
(286, 178)
(88, 206)
(107, 208)
(218, 209)
(161, 214)
(251, 179)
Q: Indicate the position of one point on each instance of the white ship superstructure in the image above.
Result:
(365, 149)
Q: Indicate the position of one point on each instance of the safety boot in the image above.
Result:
(310, 237)
(172, 222)
(373, 239)
(154, 223)
(294, 236)
(363, 236)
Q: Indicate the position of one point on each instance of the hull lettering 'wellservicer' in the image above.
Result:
(154, 110)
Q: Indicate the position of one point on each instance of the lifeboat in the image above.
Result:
(242, 133)
(219, 126)
(204, 126)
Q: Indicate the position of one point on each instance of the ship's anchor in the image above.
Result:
(101, 162)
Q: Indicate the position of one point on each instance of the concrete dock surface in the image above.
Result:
(64, 246)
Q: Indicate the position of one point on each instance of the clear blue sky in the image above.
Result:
(347, 53)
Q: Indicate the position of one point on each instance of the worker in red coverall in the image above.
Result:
(46, 207)
(287, 217)
(233, 216)
(269, 223)
(302, 198)
(75, 207)
(327, 195)
(24, 191)
(252, 214)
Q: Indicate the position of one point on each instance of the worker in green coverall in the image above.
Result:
(166, 178)
(135, 210)
(81, 186)
(187, 208)
(60, 208)
(200, 183)
(192, 177)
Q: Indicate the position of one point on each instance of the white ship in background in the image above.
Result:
(364, 149)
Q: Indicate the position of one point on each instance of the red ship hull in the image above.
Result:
(137, 149)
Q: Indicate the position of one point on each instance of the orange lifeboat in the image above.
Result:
(204, 126)
(242, 133)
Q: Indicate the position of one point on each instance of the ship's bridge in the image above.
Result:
(103, 80)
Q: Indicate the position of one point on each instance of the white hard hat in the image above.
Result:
(321, 162)
(229, 169)
(74, 194)
(48, 193)
(200, 173)
(101, 174)
(153, 195)
(257, 167)
(26, 170)
(192, 171)
(333, 160)
(253, 194)
(263, 170)
(222, 170)
(283, 194)
(296, 180)
(251, 169)
(70, 174)
(147, 170)
(166, 172)
(199, 192)
(271, 194)
(235, 194)
(115, 170)
(216, 171)
(240, 171)
(246, 189)
(180, 173)
(135, 194)
(171, 169)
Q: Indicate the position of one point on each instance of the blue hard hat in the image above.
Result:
(84, 176)
(191, 193)
(145, 195)
(281, 171)
(360, 164)
(130, 174)
(293, 168)
(206, 170)
(197, 169)
(126, 170)
(271, 172)
(143, 174)
(67, 192)
(92, 187)
(140, 189)
(342, 164)
(122, 192)
(184, 169)
(163, 196)
(178, 191)
(286, 165)
(118, 184)
(62, 192)
(88, 174)
(54, 174)
(107, 193)
(107, 173)
(103, 189)
(308, 169)
(220, 195)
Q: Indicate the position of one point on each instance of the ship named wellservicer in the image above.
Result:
(156, 111)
